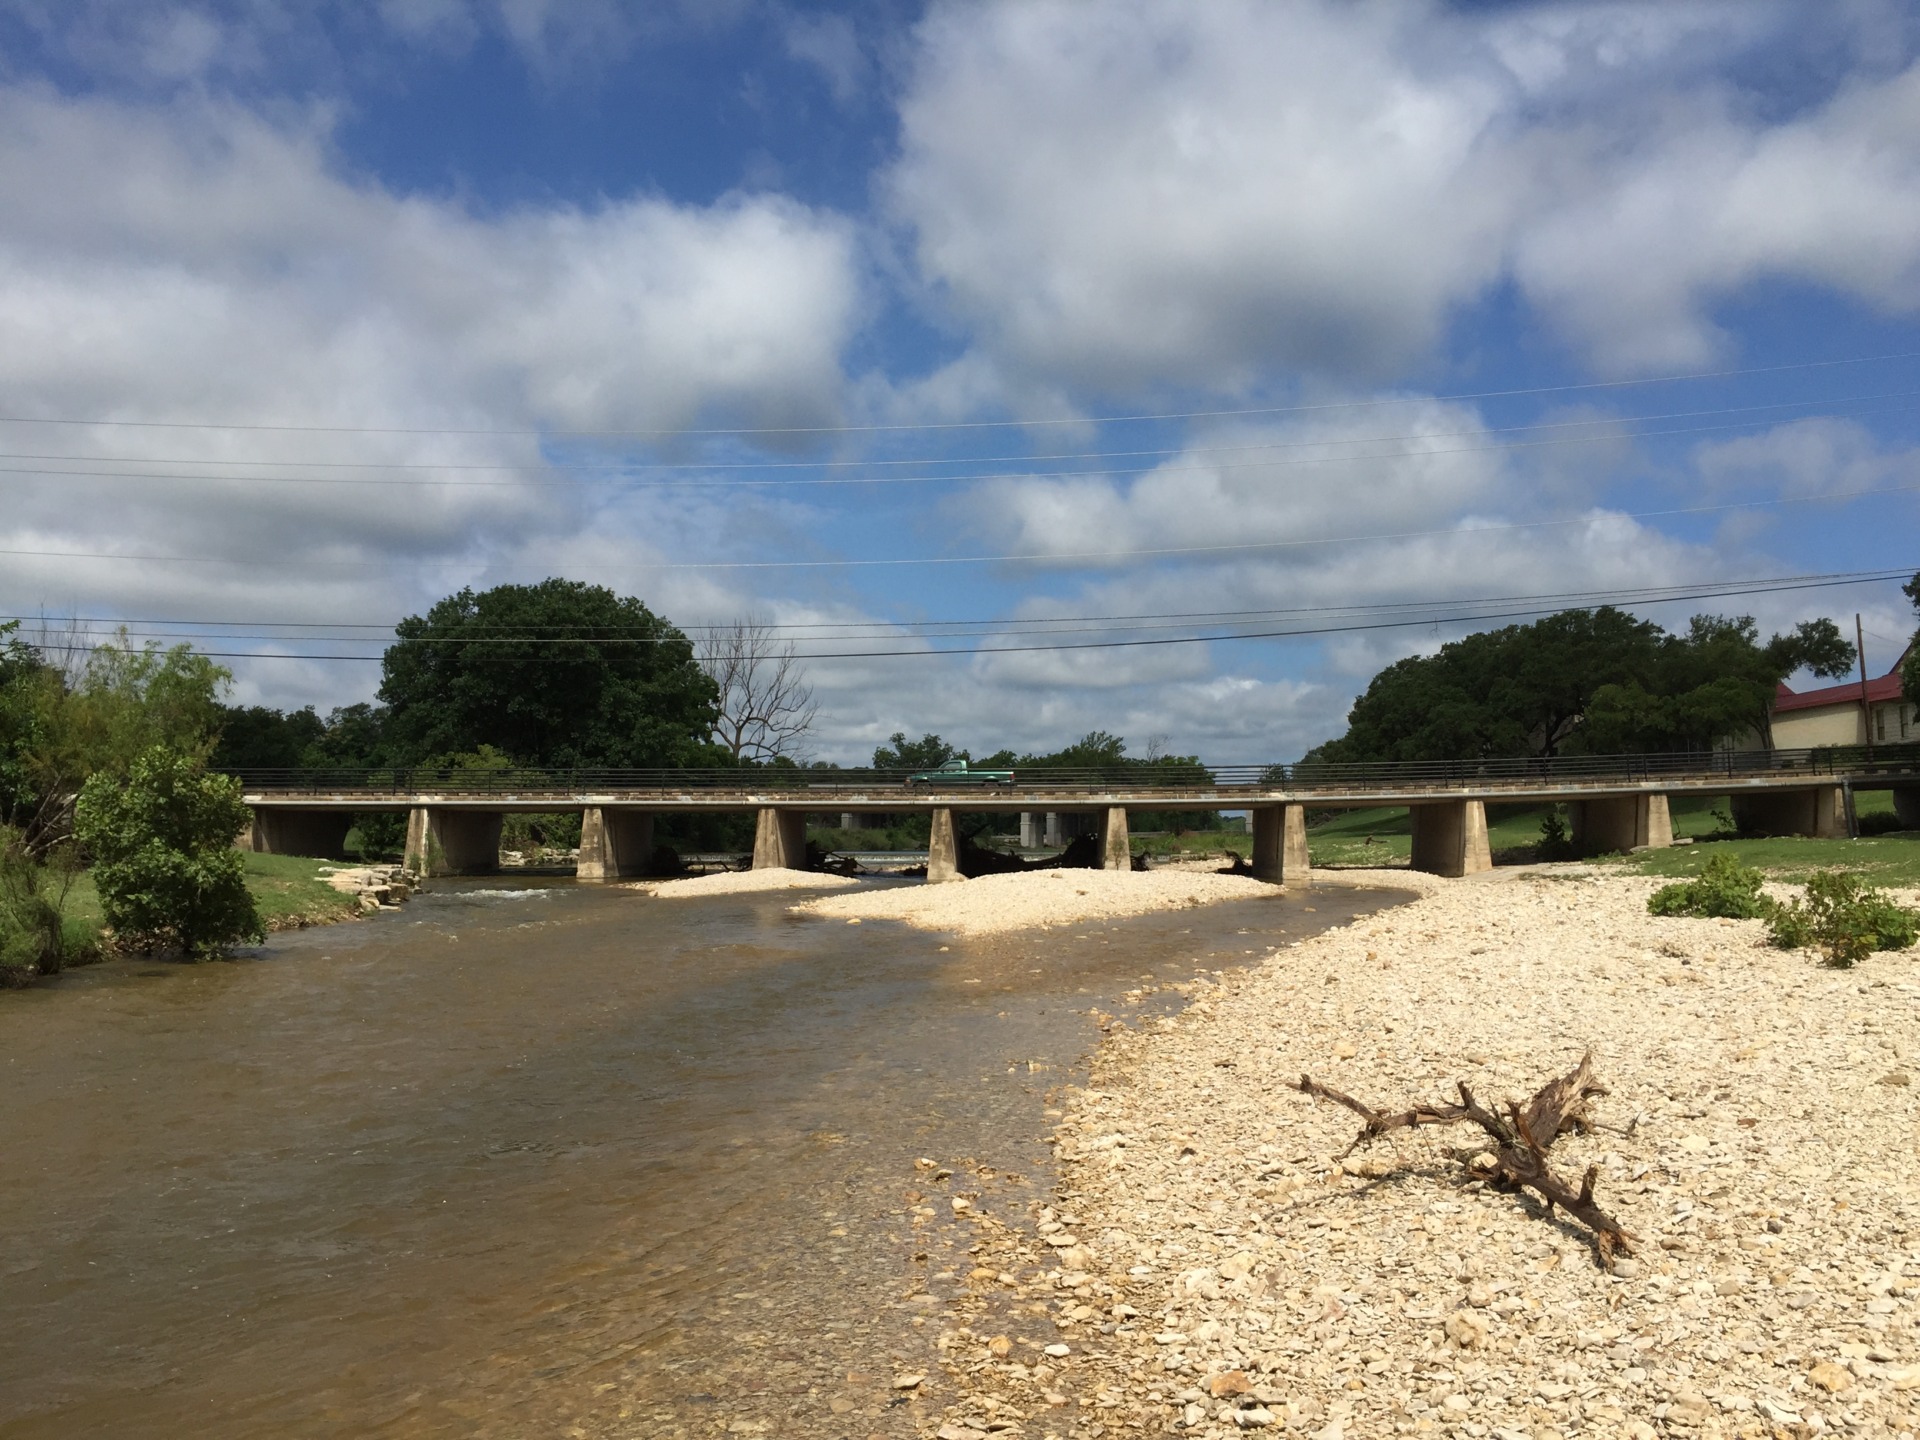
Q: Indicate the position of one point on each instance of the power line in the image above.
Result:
(952, 425)
(1049, 557)
(1029, 625)
(622, 469)
(531, 482)
(1791, 584)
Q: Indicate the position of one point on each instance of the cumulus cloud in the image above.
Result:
(1134, 195)
(1822, 455)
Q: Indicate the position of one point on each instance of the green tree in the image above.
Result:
(255, 737)
(1595, 681)
(929, 752)
(555, 674)
(61, 727)
(161, 839)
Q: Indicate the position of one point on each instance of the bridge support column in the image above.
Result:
(1818, 812)
(1611, 823)
(1280, 843)
(1054, 835)
(614, 843)
(444, 841)
(1450, 838)
(1116, 845)
(780, 840)
(943, 850)
(1031, 825)
(318, 834)
(1906, 806)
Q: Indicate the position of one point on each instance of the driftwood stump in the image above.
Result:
(1521, 1139)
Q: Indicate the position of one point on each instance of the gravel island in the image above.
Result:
(1039, 899)
(1212, 1265)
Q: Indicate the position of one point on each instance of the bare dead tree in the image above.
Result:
(766, 706)
(1521, 1139)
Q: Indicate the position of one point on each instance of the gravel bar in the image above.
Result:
(742, 882)
(1210, 1266)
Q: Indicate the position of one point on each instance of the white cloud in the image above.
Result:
(1133, 196)
(1822, 455)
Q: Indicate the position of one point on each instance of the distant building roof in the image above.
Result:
(1887, 687)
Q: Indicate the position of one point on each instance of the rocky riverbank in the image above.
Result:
(1212, 1265)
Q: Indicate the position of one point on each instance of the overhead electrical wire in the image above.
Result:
(925, 426)
(935, 629)
(1530, 604)
(1044, 557)
(624, 470)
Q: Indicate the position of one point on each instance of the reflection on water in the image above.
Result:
(525, 1160)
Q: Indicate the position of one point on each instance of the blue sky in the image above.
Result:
(1087, 321)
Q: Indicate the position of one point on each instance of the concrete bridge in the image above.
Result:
(1617, 803)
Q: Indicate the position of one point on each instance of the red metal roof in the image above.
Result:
(1887, 687)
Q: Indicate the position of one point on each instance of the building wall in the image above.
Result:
(1820, 725)
(1894, 720)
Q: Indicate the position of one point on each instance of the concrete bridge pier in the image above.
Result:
(780, 839)
(1280, 843)
(1116, 845)
(1450, 837)
(444, 841)
(1032, 826)
(943, 850)
(317, 834)
(1906, 806)
(614, 843)
(1611, 823)
(1818, 812)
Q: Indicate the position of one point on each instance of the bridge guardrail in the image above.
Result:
(837, 786)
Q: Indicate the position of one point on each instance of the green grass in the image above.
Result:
(288, 889)
(1343, 839)
(1882, 859)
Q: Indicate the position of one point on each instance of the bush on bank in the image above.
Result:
(35, 938)
(1841, 916)
(164, 862)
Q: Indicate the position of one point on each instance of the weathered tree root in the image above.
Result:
(1521, 1140)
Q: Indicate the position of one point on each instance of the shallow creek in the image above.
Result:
(531, 1158)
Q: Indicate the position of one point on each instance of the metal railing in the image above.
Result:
(892, 786)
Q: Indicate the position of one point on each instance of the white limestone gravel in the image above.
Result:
(1214, 1267)
(1038, 899)
(742, 882)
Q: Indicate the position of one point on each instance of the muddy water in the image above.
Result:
(550, 1160)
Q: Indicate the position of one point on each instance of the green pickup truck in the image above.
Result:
(957, 772)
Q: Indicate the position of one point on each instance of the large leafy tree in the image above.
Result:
(555, 674)
(1584, 680)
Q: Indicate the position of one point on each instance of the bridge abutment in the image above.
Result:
(1280, 843)
(1450, 837)
(1610, 823)
(317, 834)
(446, 841)
(780, 839)
(614, 843)
(1818, 812)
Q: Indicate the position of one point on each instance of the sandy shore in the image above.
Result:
(1209, 1266)
(1038, 899)
(742, 882)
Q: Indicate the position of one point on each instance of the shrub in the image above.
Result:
(1724, 887)
(1556, 841)
(164, 862)
(1844, 918)
(33, 928)
(1881, 822)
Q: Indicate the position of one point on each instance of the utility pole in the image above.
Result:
(1866, 705)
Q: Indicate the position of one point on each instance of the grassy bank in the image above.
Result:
(1882, 859)
(289, 890)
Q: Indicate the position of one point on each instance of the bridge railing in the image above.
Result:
(850, 786)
